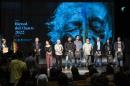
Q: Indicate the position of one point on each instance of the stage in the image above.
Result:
(82, 69)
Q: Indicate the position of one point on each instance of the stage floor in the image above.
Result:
(83, 61)
(82, 70)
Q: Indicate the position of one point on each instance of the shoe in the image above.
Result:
(66, 68)
(48, 69)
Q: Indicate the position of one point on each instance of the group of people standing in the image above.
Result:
(76, 50)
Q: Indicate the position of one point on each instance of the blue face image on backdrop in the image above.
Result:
(87, 19)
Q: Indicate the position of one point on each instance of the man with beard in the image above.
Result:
(69, 50)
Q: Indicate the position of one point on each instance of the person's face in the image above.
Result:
(90, 20)
(47, 43)
(36, 39)
(69, 39)
(77, 38)
(58, 42)
(118, 39)
(4, 41)
(98, 39)
(108, 41)
(87, 41)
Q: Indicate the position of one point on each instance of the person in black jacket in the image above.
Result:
(107, 51)
(119, 48)
(97, 49)
(69, 49)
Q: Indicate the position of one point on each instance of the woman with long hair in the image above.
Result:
(48, 50)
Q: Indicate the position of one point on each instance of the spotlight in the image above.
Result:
(123, 8)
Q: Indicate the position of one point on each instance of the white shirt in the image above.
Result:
(119, 46)
(78, 45)
(87, 48)
(98, 45)
(3, 46)
(58, 49)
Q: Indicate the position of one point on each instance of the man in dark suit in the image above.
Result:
(97, 50)
(107, 51)
(69, 49)
(119, 48)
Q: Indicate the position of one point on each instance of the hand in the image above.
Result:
(69, 50)
(77, 49)
(109, 52)
(60, 52)
(39, 50)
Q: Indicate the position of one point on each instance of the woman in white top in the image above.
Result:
(4, 46)
(58, 52)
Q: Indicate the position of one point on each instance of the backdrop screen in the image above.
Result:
(52, 21)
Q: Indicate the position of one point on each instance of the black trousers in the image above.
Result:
(59, 60)
(37, 57)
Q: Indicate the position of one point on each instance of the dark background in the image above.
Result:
(34, 13)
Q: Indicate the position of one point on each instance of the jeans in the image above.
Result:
(118, 58)
(88, 60)
(69, 58)
(98, 58)
(59, 60)
(78, 58)
(49, 60)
